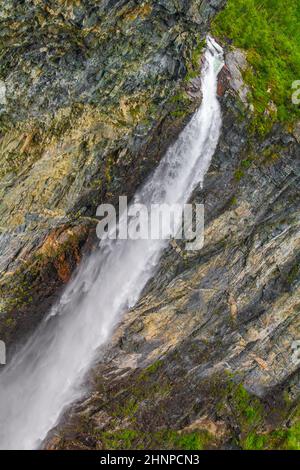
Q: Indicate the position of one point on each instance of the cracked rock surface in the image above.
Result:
(91, 95)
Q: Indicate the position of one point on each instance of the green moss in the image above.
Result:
(247, 409)
(150, 370)
(233, 201)
(178, 113)
(197, 52)
(197, 440)
(292, 438)
(180, 97)
(127, 410)
(193, 65)
(122, 439)
(180, 103)
(271, 154)
(145, 387)
(10, 322)
(243, 409)
(17, 290)
(286, 439)
(243, 166)
(246, 164)
(238, 174)
(283, 439)
(154, 367)
(164, 439)
(249, 416)
(294, 274)
(269, 32)
(254, 442)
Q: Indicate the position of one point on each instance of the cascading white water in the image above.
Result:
(46, 375)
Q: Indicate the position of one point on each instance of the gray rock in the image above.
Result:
(237, 63)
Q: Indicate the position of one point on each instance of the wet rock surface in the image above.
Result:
(209, 356)
(93, 94)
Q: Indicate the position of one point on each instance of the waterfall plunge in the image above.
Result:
(45, 376)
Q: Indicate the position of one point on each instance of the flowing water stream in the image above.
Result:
(46, 374)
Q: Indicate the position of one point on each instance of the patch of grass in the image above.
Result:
(164, 439)
(254, 442)
(244, 409)
(243, 166)
(196, 440)
(150, 370)
(283, 439)
(123, 439)
(247, 409)
(128, 409)
(233, 201)
(269, 32)
(238, 174)
(146, 386)
(249, 415)
(246, 164)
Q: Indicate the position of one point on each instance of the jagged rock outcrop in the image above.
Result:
(94, 94)
(209, 358)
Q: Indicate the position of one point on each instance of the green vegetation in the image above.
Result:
(18, 287)
(180, 103)
(270, 154)
(246, 164)
(154, 367)
(197, 440)
(284, 439)
(288, 438)
(269, 32)
(294, 274)
(238, 174)
(193, 67)
(164, 439)
(123, 439)
(178, 113)
(254, 442)
(147, 386)
(246, 409)
(132, 423)
(249, 415)
(128, 409)
(233, 201)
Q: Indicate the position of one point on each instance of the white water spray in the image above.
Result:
(46, 375)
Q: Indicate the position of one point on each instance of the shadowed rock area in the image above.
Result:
(95, 93)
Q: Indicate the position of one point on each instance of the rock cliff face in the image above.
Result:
(94, 95)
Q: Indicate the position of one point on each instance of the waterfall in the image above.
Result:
(47, 373)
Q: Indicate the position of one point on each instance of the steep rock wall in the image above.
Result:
(94, 94)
